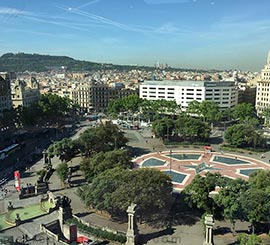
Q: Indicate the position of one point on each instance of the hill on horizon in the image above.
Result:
(21, 62)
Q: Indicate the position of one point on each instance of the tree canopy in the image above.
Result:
(243, 112)
(105, 137)
(243, 135)
(62, 171)
(198, 191)
(115, 189)
(102, 161)
(65, 149)
(208, 110)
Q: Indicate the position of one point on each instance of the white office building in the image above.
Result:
(224, 93)
(263, 88)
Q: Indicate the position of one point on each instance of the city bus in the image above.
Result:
(4, 153)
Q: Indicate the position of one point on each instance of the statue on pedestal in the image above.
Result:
(18, 220)
(10, 206)
(132, 232)
(209, 223)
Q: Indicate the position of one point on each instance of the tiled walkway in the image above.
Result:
(187, 164)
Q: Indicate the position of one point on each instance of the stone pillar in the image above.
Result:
(61, 217)
(209, 223)
(132, 231)
(64, 210)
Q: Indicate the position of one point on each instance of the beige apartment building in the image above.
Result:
(25, 92)
(263, 88)
(5, 92)
(95, 96)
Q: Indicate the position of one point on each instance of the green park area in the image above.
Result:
(7, 219)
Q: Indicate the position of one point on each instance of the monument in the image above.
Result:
(132, 231)
(18, 219)
(64, 209)
(209, 223)
(46, 158)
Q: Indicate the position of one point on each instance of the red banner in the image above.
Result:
(17, 180)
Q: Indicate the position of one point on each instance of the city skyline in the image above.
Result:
(207, 34)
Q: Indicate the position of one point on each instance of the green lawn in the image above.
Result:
(25, 213)
(3, 224)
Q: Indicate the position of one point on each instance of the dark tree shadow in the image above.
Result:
(221, 230)
(83, 214)
(77, 182)
(144, 238)
(137, 151)
(216, 140)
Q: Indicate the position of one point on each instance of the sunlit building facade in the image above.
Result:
(263, 88)
(224, 93)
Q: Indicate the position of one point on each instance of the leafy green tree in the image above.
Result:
(104, 138)
(229, 198)
(245, 239)
(156, 108)
(208, 110)
(192, 128)
(241, 135)
(129, 103)
(115, 189)
(163, 127)
(243, 112)
(102, 161)
(62, 171)
(194, 108)
(8, 119)
(198, 192)
(260, 179)
(266, 116)
(65, 149)
(150, 189)
(54, 108)
(256, 206)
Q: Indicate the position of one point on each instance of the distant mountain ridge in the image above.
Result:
(20, 62)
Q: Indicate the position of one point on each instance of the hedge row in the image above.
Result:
(97, 232)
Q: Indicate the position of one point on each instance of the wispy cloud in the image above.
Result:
(86, 19)
(53, 22)
(11, 11)
(87, 4)
(166, 28)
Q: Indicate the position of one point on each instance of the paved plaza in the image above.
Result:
(181, 164)
(184, 165)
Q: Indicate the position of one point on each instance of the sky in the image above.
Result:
(207, 34)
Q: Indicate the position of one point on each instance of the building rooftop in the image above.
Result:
(189, 83)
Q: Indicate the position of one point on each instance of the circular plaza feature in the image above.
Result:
(182, 165)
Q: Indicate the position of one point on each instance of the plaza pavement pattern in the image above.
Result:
(184, 165)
